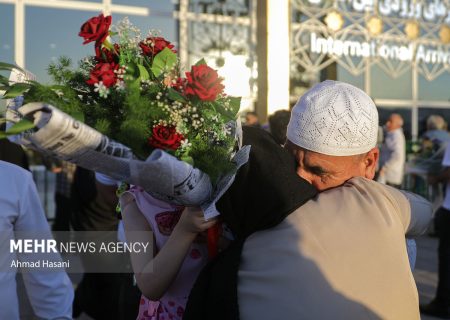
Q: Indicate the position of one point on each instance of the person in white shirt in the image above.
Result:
(392, 153)
(391, 165)
(440, 305)
(50, 293)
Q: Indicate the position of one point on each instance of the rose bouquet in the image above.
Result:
(132, 90)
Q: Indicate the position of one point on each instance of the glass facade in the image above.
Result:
(435, 90)
(58, 36)
(6, 38)
(400, 62)
(384, 86)
(398, 52)
(7, 32)
(222, 33)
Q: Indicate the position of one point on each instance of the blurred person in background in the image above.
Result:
(436, 134)
(251, 119)
(278, 125)
(13, 153)
(50, 293)
(434, 141)
(393, 152)
(433, 144)
(65, 172)
(440, 305)
(101, 295)
(391, 165)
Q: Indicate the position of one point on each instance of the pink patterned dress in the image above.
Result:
(162, 218)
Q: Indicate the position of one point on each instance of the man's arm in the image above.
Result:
(421, 214)
(50, 293)
(414, 211)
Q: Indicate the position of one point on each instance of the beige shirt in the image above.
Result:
(340, 256)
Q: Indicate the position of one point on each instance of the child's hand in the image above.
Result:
(193, 221)
(125, 199)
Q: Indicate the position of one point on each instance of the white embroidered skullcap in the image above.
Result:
(334, 118)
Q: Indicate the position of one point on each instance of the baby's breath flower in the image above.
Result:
(226, 130)
(185, 144)
(120, 85)
(102, 90)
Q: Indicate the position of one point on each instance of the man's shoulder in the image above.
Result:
(11, 172)
(358, 193)
(361, 185)
(374, 188)
(370, 185)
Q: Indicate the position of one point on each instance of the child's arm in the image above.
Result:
(155, 274)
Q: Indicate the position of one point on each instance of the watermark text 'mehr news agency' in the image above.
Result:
(52, 246)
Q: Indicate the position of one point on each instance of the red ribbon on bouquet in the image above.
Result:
(213, 240)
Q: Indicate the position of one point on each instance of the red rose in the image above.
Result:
(152, 45)
(164, 137)
(203, 82)
(104, 72)
(179, 85)
(95, 29)
(106, 55)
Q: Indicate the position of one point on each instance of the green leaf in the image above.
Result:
(200, 62)
(175, 95)
(10, 67)
(16, 90)
(188, 159)
(20, 126)
(131, 68)
(143, 73)
(231, 112)
(57, 87)
(235, 104)
(77, 115)
(153, 89)
(108, 45)
(164, 60)
(4, 80)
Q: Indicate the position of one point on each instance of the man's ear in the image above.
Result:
(370, 163)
